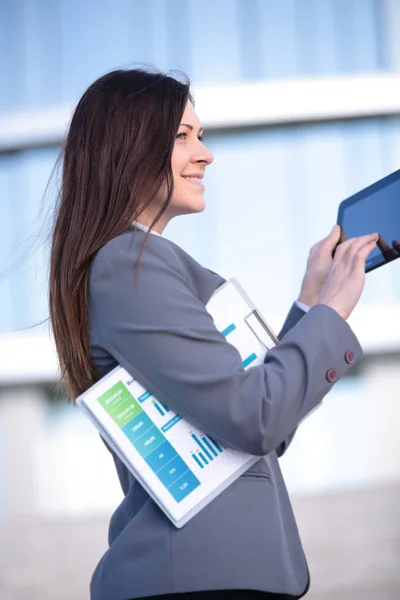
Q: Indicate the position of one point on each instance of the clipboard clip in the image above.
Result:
(261, 329)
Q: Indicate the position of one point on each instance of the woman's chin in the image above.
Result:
(192, 207)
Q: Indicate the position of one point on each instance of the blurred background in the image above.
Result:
(300, 100)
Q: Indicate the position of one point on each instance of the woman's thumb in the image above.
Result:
(334, 236)
(335, 228)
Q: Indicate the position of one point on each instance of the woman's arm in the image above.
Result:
(293, 317)
(163, 335)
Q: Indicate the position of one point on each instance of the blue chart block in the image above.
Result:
(165, 407)
(137, 426)
(228, 330)
(184, 486)
(149, 442)
(172, 471)
(249, 360)
(161, 456)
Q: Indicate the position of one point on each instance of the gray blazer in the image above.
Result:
(161, 333)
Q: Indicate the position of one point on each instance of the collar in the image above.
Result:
(144, 227)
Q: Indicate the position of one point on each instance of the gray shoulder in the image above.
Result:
(163, 264)
(124, 251)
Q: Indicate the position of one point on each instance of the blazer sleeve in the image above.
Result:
(293, 317)
(162, 334)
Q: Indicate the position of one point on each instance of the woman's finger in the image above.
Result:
(352, 245)
(362, 254)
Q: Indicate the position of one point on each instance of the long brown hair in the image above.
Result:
(115, 158)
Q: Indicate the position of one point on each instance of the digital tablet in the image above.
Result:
(374, 209)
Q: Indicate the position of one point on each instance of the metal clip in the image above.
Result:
(261, 329)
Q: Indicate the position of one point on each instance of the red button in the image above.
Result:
(331, 375)
(349, 357)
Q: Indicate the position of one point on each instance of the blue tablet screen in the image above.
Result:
(375, 209)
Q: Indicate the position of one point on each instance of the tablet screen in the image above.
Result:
(375, 209)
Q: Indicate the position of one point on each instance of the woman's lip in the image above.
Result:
(195, 183)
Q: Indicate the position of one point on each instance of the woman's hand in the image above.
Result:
(345, 282)
(318, 267)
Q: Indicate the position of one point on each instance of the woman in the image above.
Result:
(121, 293)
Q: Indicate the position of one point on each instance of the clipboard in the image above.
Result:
(182, 468)
(231, 295)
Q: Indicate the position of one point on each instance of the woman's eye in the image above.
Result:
(184, 134)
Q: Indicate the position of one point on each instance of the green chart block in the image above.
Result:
(120, 404)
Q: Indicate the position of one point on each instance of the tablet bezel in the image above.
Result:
(377, 261)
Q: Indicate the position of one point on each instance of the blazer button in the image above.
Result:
(331, 375)
(349, 357)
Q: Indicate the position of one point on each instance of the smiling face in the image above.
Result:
(190, 157)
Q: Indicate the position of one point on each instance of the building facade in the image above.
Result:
(300, 102)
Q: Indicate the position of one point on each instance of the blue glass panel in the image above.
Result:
(179, 39)
(51, 52)
(316, 43)
(43, 66)
(250, 33)
(23, 259)
(12, 57)
(278, 38)
(358, 35)
(214, 38)
(108, 35)
(8, 231)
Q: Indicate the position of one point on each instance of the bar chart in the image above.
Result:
(161, 408)
(209, 449)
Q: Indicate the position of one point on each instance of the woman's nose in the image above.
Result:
(204, 155)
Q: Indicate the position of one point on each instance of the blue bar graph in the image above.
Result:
(218, 447)
(158, 407)
(208, 450)
(202, 446)
(207, 443)
(203, 458)
(162, 409)
(198, 462)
